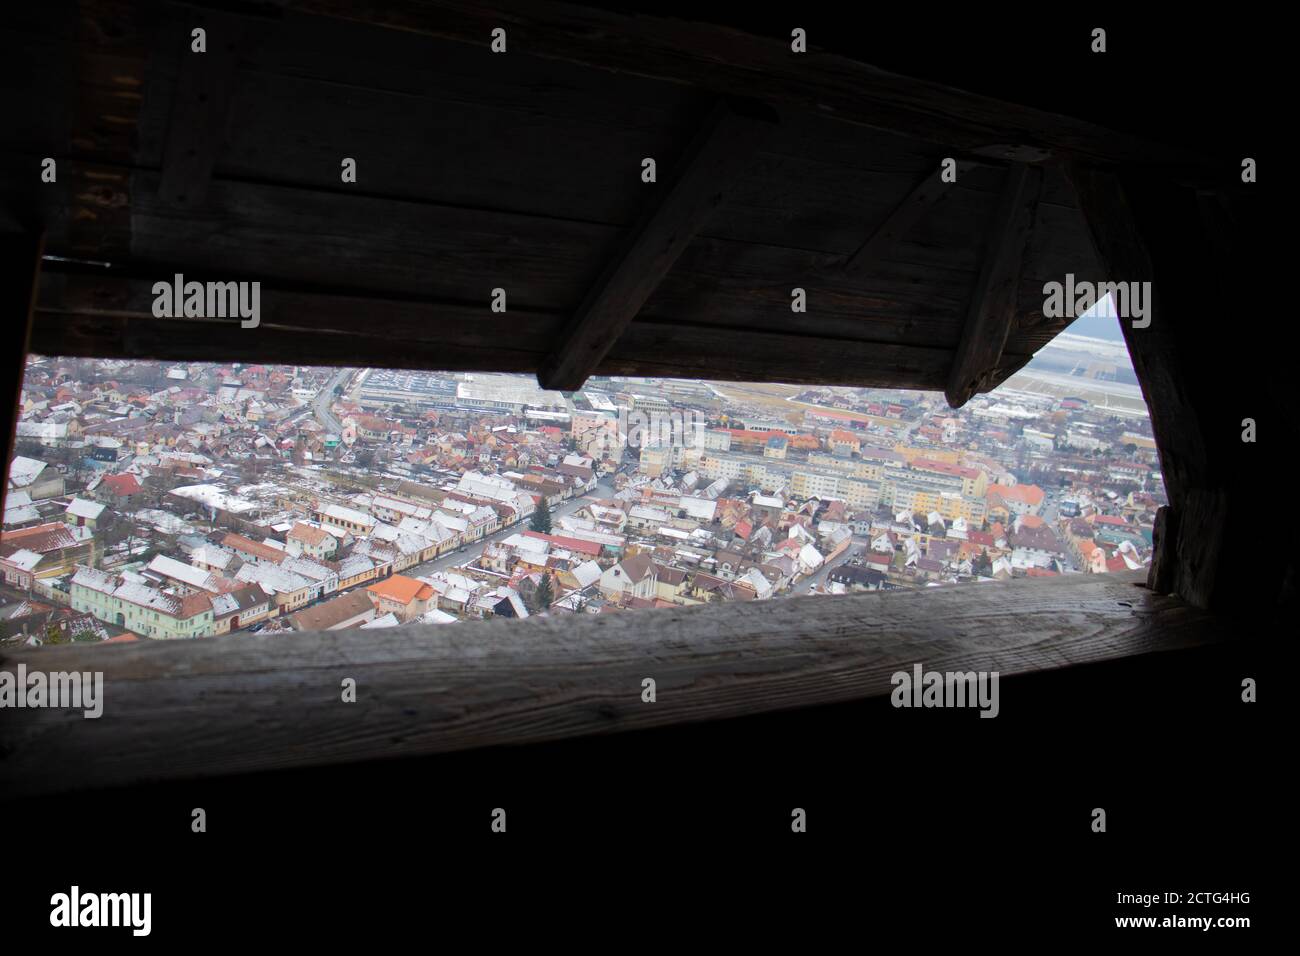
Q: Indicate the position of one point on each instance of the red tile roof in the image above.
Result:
(580, 545)
(122, 485)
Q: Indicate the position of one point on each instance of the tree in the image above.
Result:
(541, 520)
(983, 565)
(544, 596)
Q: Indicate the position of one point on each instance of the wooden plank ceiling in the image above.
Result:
(523, 171)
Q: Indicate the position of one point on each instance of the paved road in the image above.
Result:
(818, 577)
(473, 551)
(320, 405)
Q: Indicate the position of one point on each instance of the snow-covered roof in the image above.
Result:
(24, 471)
(24, 559)
(81, 508)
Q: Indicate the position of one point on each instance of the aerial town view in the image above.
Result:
(157, 501)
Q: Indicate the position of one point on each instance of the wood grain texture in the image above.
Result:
(244, 702)
(928, 192)
(111, 316)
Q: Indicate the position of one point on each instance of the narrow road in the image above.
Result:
(818, 577)
(320, 405)
(473, 551)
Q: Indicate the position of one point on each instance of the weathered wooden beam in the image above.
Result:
(243, 702)
(711, 163)
(20, 270)
(925, 195)
(977, 365)
(110, 316)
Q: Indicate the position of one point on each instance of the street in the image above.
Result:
(320, 405)
(818, 577)
(472, 552)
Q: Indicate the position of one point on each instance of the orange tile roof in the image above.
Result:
(1029, 494)
(402, 589)
(305, 532)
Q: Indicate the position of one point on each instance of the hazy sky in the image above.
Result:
(1099, 322)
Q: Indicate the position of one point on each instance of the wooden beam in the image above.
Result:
(174, 709)
(20, 270)
(712, 162)
(925, 195)
(977, 364)
(200, 104)
(110, 316)
(1203, 357)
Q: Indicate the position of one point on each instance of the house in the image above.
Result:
(61, 547)
(18, 568)
(844, 443)
(671, 584)
(19, 510)
(253, 552)
(1034, 547)
(347, 610)
(130, 602)
(83, 513)
(357, 569)
(118, 489)
(501, 602)
(857, 578)
(35, 477)
(408, 598)
(311, 540)
(337, 517)
(241, 607)
(163, 568)
(291, 591)
(632, 577)
(1006, 501)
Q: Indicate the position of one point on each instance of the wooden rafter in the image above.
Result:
(977, 367)
(714, 159)
(924, 196)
